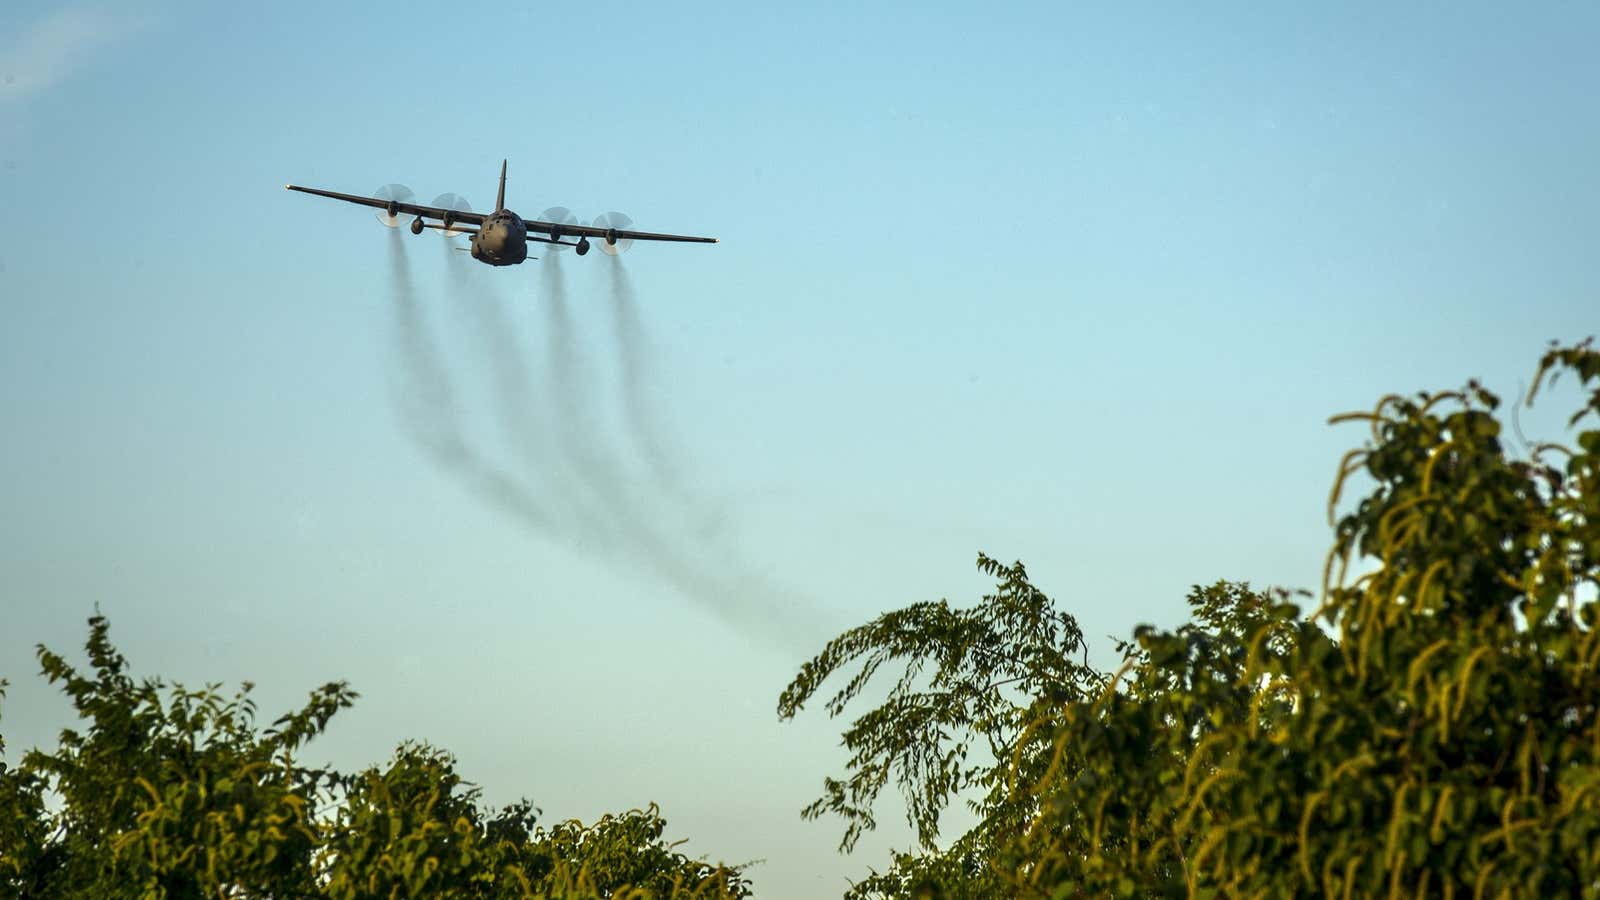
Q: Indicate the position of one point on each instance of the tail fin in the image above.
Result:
(500, 198)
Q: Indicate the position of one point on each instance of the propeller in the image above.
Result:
(454, 202)
(609, 221)
(559, 215)
(397, 193)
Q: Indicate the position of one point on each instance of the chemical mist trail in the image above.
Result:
(604, 479)
(523, 419)
(654, 535)
(704, 517)
(588, 497)
(518, 414)
(633, 347)
(568, 387)
(428, 405)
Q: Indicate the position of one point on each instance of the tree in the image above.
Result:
(24, 832)
(1434, 729)
(992, 668)
(1004, 681)
(174, 793)
(1431, 729)
(171, 793)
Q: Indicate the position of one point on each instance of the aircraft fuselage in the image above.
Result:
(502, 239)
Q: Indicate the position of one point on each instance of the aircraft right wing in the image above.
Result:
(395, 208)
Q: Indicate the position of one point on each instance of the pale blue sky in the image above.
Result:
(1067, 285)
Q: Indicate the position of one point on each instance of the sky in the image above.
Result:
(1065, 284)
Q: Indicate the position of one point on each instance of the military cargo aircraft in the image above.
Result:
(501, 238)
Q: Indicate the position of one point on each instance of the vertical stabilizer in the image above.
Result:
(500, 198)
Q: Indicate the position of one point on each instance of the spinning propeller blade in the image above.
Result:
(609, 221)
(398, 193)
(455, 202)
(559, 215)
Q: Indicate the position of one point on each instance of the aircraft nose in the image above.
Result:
(494, 236)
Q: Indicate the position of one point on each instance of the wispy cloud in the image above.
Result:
(56, 46)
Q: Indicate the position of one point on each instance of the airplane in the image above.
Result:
(501, 237)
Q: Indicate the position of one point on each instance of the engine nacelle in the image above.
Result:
(611, 236)
(555, 232)
(393, 209)
(583, 246)
(416, 225)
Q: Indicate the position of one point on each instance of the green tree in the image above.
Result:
(175, 793)
(628, 849)
(1444, 741)
(1006, 675)
(25, 853)
(955, 721)
(414, 828)
(1431, 729)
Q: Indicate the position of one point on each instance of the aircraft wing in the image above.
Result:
(593, 232)
(410, 209)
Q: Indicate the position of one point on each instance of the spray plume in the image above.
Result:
(634, 349)
(586, 494)
(523, 418)
(432, 416)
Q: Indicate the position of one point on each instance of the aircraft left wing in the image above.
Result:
(603, 234)
(410, 209)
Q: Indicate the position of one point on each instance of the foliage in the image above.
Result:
(1445, 740)
(170, 792)
(24, 830)
(1432, 729)
(972, 679)
(628, 849)
(992, 668)
(1021, 715)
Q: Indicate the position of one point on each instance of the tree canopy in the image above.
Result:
(1431, 728)
(169, 792)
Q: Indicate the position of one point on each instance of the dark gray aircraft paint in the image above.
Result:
(501, 238)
